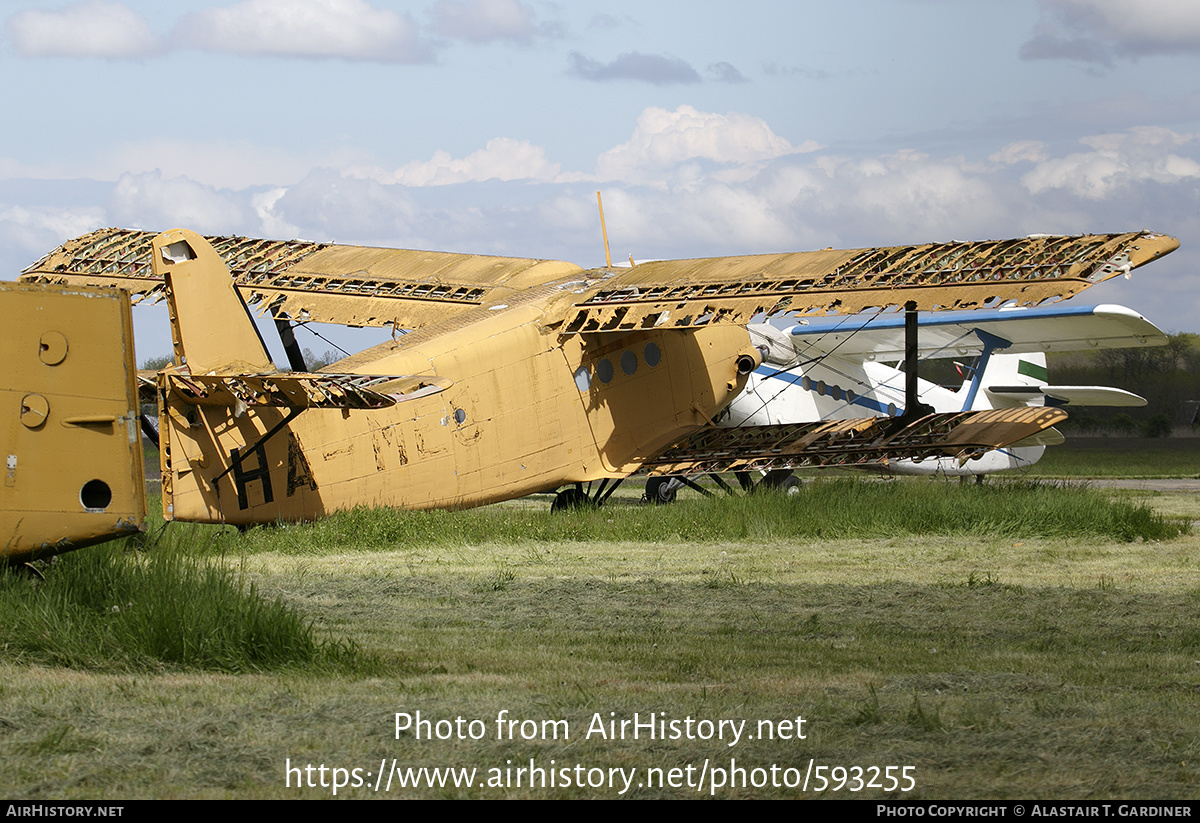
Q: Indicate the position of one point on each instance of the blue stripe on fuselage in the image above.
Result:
(866, 402)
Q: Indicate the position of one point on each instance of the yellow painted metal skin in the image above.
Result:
(501, 414)
(522, 375)
(72, 451)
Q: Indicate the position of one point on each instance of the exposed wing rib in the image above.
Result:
(348, 285)
(361, 286)
(1029, 270)
(853, 442)
(301, 391)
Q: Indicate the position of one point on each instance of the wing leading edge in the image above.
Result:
(954, 334)
(360, 286)
(934, 276)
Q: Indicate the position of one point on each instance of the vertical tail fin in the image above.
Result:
(1011, 371)
(211, 328)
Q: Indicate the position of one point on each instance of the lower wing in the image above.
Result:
(862, 442)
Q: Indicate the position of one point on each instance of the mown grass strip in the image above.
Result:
(1121, 457)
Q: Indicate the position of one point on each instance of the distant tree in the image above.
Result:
(157, 363)
(316, 361)
(1167, 376)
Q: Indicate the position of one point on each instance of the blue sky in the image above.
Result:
(710, 127)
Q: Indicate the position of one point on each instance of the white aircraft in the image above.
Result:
(834, 368)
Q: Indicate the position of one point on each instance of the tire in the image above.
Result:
(660, 490)
(570, 499)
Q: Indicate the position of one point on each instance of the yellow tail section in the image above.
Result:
(71, 451)
(211, 328)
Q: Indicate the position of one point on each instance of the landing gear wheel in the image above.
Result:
(661, 490)
(573, 498)
(782, 481)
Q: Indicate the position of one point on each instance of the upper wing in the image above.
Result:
(347, 285)
(956, 334)
(1029, 270)
(360, 286)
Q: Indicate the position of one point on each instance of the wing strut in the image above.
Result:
(287, 337)
(913, 407)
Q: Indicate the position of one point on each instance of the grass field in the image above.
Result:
(1121, 457)
(996, 658)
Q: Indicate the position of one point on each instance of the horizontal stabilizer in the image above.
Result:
(294, 390)
(1072, 395)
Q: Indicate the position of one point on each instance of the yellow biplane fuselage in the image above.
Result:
(510, 407)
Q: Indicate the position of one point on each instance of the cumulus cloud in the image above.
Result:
(224, 164)
(345, 29)
(663, 140)
(153, 202)
(93, 28)
(1100, 31)
(657, 69)
(503, 158)
(327, 205)
(1022, 151)
(28, 233)
(484, 21)
(1116, 162)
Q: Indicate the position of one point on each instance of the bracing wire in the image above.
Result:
(304, 325)
(808, 362)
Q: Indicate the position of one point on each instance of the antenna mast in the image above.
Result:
(604, 231)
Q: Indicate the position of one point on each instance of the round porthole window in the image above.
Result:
(604, 370)
(629, 362)
(652, 354)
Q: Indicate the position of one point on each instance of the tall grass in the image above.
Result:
(115, 608)
(836, 508)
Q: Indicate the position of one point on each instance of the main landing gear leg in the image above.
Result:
(577, 497)
(662, 489)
